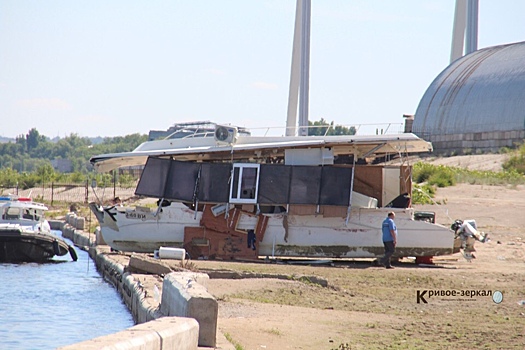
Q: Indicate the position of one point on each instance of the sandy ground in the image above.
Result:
(368, 307)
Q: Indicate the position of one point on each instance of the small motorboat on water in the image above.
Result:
(23, 244)
(25, 235)
(25, 212)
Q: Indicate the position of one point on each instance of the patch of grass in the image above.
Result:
(516, 161)
(423, 194)
(55, 214)
(273, 331)
(188, 265)
(442, 179)
(443, 176)
(233, 342)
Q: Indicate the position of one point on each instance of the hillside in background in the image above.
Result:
(33, 151)
(6, 139)
(489, 162)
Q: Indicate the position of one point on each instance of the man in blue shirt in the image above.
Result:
(389, 239)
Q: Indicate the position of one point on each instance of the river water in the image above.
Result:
(45, 306)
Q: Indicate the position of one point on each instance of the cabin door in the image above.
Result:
(391, 184)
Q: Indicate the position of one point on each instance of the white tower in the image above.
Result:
(465, 28)
(300, 71)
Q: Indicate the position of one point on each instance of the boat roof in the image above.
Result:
(21, 202)
(254, 147)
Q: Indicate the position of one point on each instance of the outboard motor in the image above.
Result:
(468, 233)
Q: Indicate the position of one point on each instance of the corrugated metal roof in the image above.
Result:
(481, 92)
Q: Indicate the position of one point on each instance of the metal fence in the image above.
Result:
(73, 193)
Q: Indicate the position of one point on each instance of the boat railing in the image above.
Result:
(319, 130)
(199, 134)
(324, 130)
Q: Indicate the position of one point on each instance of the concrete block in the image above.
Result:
(139, 299)
(56, 224)
(99, 240)
(183, 296)
(81, 238)
(199, 277)
(146, 264)
(176, 332)
(67, 232)
(129, 339)
(80, 223)
(164, 333)
(110, 270)
(70, 217)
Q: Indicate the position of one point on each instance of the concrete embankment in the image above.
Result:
(172, 308)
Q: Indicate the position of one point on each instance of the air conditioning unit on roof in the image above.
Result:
(225, 134)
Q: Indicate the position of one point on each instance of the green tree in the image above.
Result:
(21, 141)
(45, 172)
(8, 177)
(322, 127)
(33, 139)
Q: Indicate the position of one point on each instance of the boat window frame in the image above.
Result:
(237, 181)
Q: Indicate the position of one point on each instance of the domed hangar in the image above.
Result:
(477, 103)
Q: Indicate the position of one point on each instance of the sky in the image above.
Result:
(119, 67)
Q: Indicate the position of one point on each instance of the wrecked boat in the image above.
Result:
(235, 197)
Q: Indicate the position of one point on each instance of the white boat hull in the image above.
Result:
(140, 230)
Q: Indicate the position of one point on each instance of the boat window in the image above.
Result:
(244, 184)
(12, 213)
(27, 215)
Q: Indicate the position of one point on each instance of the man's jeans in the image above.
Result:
(389, 250)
